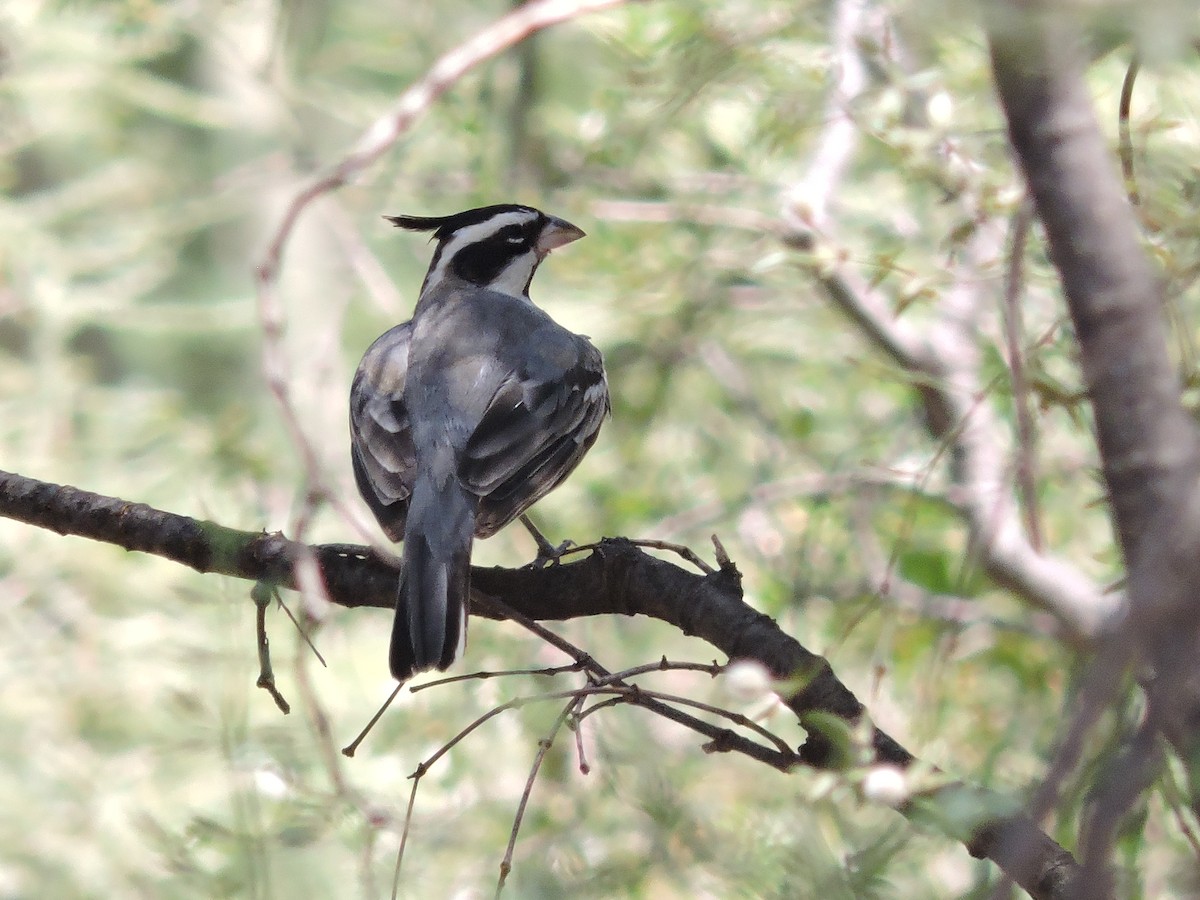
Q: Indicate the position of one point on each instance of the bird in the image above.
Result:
(467, 414)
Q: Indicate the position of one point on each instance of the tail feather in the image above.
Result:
(429, 628)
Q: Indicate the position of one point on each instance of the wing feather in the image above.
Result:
(533, 433)
(541, 418)
(381, 443)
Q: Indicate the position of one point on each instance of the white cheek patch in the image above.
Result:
(515, 278)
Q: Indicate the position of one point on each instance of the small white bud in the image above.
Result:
(747, 681)
(940, 109)
(886, 785)
(270, 783)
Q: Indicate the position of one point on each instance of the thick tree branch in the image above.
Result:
(1147, 441)
(1149, 445)
(618, 578)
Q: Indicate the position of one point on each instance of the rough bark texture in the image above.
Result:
(617, 578)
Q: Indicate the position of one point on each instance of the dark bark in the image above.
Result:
(617, 578)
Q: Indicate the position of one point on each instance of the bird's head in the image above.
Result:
(497, 247)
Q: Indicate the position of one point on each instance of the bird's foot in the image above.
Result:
(548, 554)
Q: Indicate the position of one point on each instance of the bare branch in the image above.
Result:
(1014, 332)
(806, 204)
(1148, 442)
(570, 710)
(617, 578)
(1149, 445)
(1127, 169)
(382, 134)
(944, 364)
(979, 463)
(262, 595)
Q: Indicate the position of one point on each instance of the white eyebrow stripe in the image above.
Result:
(473, 233)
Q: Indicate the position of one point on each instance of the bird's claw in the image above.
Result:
(548, 554)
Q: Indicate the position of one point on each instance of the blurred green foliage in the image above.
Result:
(147, 150)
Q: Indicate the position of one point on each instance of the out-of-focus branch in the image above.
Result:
(944, 364)
(1014, 331)
(946, 372)
(616, 578)
(1149, 445)
(806, 204)
(1126, 137)
(978, 458)
(883, 579)
(497, 37)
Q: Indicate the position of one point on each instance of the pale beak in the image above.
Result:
(557, 233)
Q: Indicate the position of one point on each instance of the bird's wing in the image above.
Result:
(541, 420)
(381, 443)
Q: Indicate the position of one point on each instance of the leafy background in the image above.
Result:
(147, 150)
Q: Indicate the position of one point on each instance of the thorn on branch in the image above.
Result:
(723, 559)
(720, 744)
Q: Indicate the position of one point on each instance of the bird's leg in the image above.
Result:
(547, 553)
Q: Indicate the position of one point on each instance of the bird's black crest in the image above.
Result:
(444, 226)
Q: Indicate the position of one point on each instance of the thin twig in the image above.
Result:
(544, 746)
(1014, 334)
(598, 675)
(576, 726)
(683, 551)
(582, 659)
(303, 632)
(405, 831)
(1126, 138)
(261, 594)
(636, 695)
(351, 748)
(504, 673)
(514, 703)
(664, 665)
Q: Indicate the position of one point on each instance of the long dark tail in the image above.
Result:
(430, 625)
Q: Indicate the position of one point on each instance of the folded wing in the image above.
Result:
(533, 433)
(382, 451)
